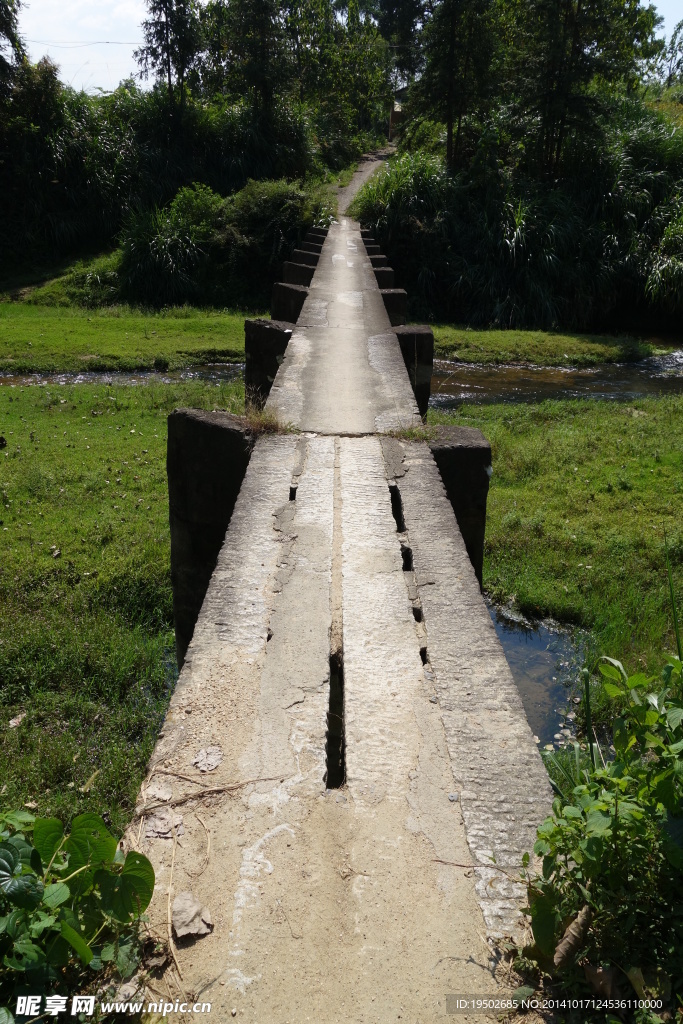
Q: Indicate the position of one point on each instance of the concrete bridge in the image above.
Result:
(345, 780)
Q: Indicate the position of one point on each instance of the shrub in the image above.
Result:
(606, 910)
(70, 907)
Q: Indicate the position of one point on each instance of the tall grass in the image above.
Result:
(492, 245)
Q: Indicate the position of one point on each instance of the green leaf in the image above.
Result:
(18, 819)
(620, 735)
(523, 992)
(25, 955)
(5, 1016)
(56, 894)
(24, 891)
(90, 842)
(28, 856)
(674, 717)
(598, 823)
(128, 894)
(77, 943)
(612, 691)
(39, 922)
(47, 835)
(545, 923)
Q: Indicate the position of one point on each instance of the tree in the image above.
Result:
(173, 41)
(672, 56)
(563, 48)
(9, 41)
(458, 45)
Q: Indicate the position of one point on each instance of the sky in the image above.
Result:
(92, 41)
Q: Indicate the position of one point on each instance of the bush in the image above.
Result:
(606, 910)
(208, 250)
(70, 907)
(493, 245)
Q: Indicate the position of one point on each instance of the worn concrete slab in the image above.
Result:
(502, 785)
(345, 904)
(333, 379)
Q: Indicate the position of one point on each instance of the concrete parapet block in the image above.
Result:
(396, 304)
(378, 261)
(373, 250)
(206, 460)
(384, 277)
(265, 344)
(297, 273)
(316, 235)
(309, 258)
(365, 233)
(417, 349)
(311, 247)
(463, 458)
(287, 301)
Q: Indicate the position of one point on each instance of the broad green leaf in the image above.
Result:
(610, 672)
(39, 922)
(25, 892)
(611, 663)
(18, 819)
(674, 717)
(612, 691)
(620, 735)
(56, 894)
(598, 823)
(28, 855)
(522, 993)
(77, 943)
(5, 1016)
(47, 835)
(25, 955)
(108, 952)
(128, 894)
(90, 842)
(545, 923)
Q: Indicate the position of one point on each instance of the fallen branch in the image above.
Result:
(211, 791)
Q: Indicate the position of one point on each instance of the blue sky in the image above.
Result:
(93, 40)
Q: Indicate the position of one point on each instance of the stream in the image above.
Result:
(543, 657)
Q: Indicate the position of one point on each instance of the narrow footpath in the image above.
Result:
(345, 779)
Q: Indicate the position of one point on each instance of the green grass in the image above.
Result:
(36, 338)
(581, 495)
(540, 348)
(86, 641)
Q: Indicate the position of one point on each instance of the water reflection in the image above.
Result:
(545, 661)
(455, 383)
(217, 373)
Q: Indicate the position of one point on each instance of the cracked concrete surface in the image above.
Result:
(371, 902)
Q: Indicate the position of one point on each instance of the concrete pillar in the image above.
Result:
(372, 250)
(311, 247)
(287, 301)
(265, 343)
(396, 304)
(301, 256)
(417, 349)
(369, 241)
(316, 235)
(378, 261)
(384, 277)
(207, 458)
(297, 273)
(365, 233)
(463, 457)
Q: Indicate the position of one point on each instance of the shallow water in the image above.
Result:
(545, 661)
(217, 373)
(455, 383)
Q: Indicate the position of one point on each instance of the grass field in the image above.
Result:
(581, 496)
(36, 338)
(86, 644)
(541, 348)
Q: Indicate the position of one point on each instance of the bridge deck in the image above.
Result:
(343, 372)
(343, 627)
